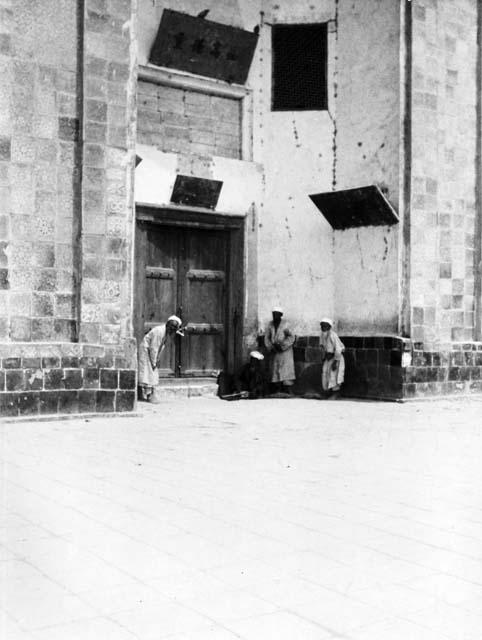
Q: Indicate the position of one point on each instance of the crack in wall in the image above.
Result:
(335, 95)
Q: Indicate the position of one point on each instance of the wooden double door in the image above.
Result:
(185, 271)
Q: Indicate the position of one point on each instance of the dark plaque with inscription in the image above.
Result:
(196, 192)
(197, 45)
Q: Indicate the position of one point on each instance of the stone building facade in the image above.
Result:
(403, 112)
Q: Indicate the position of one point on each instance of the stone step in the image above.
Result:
(172, 388)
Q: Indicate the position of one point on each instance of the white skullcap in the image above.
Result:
(175, 319)
(277, 309)
(256, 355)
(327, 321)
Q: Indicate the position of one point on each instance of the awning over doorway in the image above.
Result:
(360, 207)
(165, 178)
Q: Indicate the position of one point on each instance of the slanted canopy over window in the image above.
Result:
(197, 45)
(361, 207)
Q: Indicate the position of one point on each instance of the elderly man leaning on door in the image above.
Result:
(150, 349)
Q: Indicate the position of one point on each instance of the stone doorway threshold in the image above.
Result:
(172, 388)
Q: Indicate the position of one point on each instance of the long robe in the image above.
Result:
(282, 364)
(331, 344)
(150, 349)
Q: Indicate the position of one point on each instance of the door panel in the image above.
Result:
(204, 300)
(184, 271)
(161, 281)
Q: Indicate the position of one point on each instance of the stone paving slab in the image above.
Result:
(270, 519)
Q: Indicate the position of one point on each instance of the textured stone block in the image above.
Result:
(20, 329)
(47, 281)
(4, 331)
(48, 402)
(94, 267)
(313, 354)
(68, 402)
(109, 378)
(96, 110)
(53, 379)
(68, 128)
(4, 279)
(73, 378)
(105, 401)
(125, 401)
(69, 362)
(95, 66)
(5, 148)
(14, 380)
(87, 401)
(11, 363)
(91, 378)
(8, 404)
(4, 227)
(94, 155)
(299, 354)
(42, 329)
(50, 362)
(28, 403)
(44, 254)
(64, 305)
(96, 22)
(127, 379)
(65, 330)
(33, 379)
(42, 304)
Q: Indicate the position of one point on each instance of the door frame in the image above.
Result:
(234, 226)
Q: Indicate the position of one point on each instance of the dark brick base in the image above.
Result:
(394, 368)
(39, 380)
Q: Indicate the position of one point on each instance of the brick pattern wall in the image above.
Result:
(108, 160)
(67, 149)
(393, 368)
(443, 179)
(70, 379)
(373, 365)
(175, 120)
(38, 171)
(451, 372)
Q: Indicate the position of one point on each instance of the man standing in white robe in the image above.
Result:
(333, 369)
(150, 349)
(279, 341)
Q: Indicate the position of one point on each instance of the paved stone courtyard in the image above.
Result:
(273, 519)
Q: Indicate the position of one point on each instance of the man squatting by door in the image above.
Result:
(150, 350)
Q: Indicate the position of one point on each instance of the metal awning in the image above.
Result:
(360, 207)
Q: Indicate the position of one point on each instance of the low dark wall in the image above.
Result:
(65, 378)
(393, 368)
(448, 372)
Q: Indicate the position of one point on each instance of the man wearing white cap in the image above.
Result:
(333, 371)
(150, 349)
(279, 341)
(252, 377)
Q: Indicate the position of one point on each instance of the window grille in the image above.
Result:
(299, 67)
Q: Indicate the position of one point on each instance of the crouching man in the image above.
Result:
(252, 377)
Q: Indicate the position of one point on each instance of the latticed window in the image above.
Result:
(299, 67)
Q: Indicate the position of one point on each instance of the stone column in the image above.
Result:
(109, 78)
